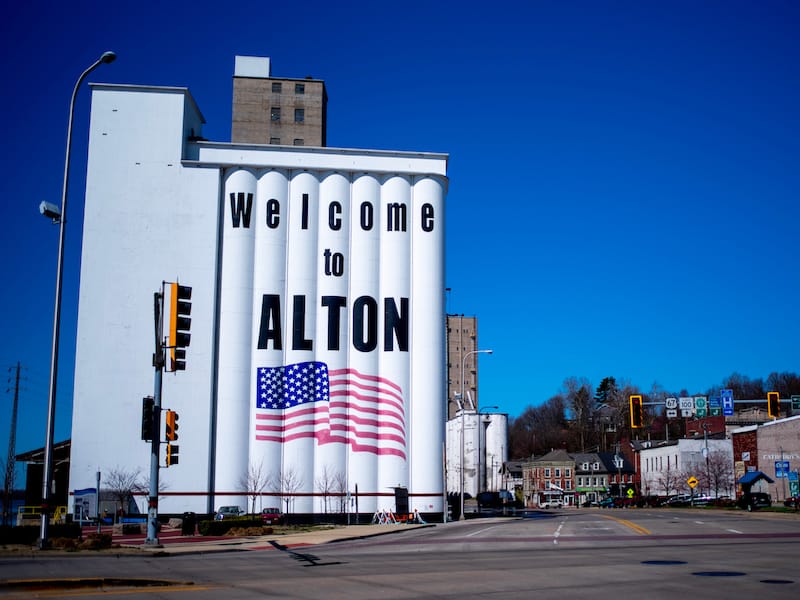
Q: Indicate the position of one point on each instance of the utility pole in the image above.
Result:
(8, 487)
(158, 364)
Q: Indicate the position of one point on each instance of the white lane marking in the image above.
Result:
(480, 531)
(733, 531)
(558, 532)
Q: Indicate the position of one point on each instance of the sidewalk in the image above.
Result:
(196, 544)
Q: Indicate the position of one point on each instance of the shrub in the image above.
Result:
(222, 527)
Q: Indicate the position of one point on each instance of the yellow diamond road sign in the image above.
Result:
(692, 481)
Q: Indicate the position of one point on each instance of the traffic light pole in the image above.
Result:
(158, 364)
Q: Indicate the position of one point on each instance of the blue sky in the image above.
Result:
(623, 175)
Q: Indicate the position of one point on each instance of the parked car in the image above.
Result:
(792, 502)
(754, 500)
(679, 500)
(608, 502)
(272, 516)
(226, 512)
(550, 504)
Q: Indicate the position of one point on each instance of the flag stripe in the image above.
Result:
(301, 400)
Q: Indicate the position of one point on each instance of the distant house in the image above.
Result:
(548, 481)
(511, 477)
(602, 474)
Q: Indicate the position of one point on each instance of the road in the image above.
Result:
(592, 553)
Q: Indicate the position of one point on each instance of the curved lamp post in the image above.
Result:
(463, 407)
(107, 57)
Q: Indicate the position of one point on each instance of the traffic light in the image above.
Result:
(774, 404)
(172, 426)
(148, 418)
(178, 337)
(172, 454)
(637, 418)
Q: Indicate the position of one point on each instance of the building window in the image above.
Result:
(568, 472)
(276, 87)
(596, 467)
(585, 466)
(299, 88)
(298, 142)
(274, 140)
(558, 472)
(547, 472)
(568, 485)
(299, 115)
(594, 481)
(275, 113)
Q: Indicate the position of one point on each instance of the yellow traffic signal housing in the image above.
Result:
(178, 336)
(774, 404)
(172, 454)
(172, 426)
(637, 417)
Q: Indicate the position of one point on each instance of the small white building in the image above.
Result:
(666, 467)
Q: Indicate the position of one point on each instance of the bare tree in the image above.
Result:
(254, 483)
(122, 484)
(669, 481)
(340, 487)
(328, 484)
(580, 402)
(718, 475)
(291, 481)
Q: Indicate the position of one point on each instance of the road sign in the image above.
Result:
(795, 402)
(687, 406)
(672, 414)
(781, 468)
(630, 492)
(692, 481)
(727, 402)
(671, 403)
(700, 406)
(715, 406)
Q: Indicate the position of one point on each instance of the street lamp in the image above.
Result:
(61, 218)
(463, 407)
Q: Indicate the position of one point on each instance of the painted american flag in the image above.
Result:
(307, 400)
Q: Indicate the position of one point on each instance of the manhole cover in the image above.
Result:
(663, 562)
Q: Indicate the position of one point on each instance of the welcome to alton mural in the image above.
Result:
(331, 348)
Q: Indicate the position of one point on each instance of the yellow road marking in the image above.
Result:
(637, 528)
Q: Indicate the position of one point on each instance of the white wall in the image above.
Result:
(158, 208)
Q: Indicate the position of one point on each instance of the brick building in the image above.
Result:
(768, 448)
